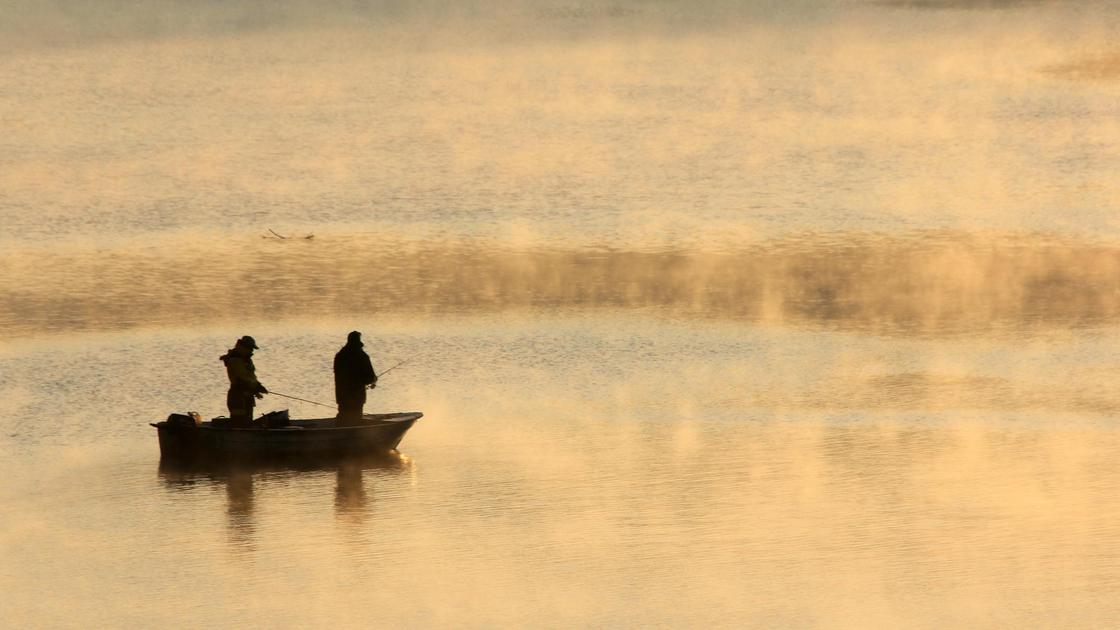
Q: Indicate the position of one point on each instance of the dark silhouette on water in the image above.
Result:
(316, 437)
(351, 496)
(353, 372)
(239, 493)
(244, 388)
(350, 491)
(186, 436)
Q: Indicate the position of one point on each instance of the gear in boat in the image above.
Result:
(186, 435)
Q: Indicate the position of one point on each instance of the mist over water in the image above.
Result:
(930, 283)
(720, 314)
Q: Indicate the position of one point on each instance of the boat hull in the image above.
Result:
(377, 433)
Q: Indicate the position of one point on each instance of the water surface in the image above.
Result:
(728, 314)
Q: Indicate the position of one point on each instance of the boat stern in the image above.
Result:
(176, 440)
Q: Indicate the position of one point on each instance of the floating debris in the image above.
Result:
(276, 235)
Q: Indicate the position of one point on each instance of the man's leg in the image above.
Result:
(240, 409)
(349, 412)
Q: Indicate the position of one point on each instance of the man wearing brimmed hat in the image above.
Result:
(244, 388)
(352, 373)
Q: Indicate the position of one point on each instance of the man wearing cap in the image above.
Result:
(352, 373)
(244, 387)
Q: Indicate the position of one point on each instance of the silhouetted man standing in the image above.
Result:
(352, 373)
(244, 388)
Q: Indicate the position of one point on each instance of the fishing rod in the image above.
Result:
(374, 383)
(301, 399)
(392, 368)
(332, 406)
(274, 393)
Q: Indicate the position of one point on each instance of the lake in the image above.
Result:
(794, 315)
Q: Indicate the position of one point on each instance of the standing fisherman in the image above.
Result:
(244, 387)
(352, 373)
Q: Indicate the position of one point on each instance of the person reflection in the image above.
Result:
(350, 491)
(239, 492)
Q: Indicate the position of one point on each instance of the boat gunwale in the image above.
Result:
(404, 416)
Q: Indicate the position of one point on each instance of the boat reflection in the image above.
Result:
(239, 479)
(178, 474)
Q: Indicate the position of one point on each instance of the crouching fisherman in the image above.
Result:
(244, 388)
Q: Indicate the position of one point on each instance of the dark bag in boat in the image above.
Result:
(189, 419)
(275, 419)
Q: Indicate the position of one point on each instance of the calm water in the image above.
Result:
(720, 314)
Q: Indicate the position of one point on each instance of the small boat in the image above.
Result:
(187, 437)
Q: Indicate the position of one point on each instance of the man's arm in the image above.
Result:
(370, 376)
(242, 376)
